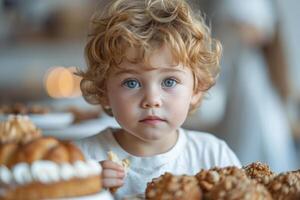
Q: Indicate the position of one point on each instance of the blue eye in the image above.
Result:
(169, 83)
(131, 84)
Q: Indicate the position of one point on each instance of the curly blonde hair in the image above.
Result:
(147, 25)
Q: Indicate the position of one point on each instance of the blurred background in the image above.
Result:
(255, 106)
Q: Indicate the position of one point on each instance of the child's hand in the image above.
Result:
(113, 174)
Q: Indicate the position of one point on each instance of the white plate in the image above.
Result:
(48, 120)
(103, 195)
(82, 130)
(52, 120)
(135, 197)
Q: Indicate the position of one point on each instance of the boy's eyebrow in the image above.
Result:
(125, 71)
(132, 71)
(173, 69)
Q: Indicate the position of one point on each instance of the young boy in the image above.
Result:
(149, 64)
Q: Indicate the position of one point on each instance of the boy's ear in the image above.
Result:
(105, 101)
(106, 106)
(197, 96)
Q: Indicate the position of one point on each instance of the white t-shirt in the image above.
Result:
(192, 152)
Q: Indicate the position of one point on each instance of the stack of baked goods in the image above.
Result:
(43, 167)
(252, 182)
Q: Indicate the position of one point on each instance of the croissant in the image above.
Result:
(46, 168)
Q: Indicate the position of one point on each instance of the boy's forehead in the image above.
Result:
(158, 58)
(124, 66)
(140, 68)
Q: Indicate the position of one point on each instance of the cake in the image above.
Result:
(171, 187)
(18, 129)
(285, 186)
(238, 188)
(207, 179)
(259, 172)
(48, 168)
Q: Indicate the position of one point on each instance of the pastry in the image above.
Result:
(124, 163)
(170, 187)
(285, 186)
(18, 129)
(207, 179)
(259, 172)
(237, 188)
(46, 168)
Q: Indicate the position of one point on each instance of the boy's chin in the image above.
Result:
(156, 136)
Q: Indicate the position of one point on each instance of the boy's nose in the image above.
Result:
(153, 104)
(152, 99)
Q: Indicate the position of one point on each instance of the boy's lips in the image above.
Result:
(152, 120)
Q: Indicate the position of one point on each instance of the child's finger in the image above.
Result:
(112, 182)
(110, 173)
(111, 165)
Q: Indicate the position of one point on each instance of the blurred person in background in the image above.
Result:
(290, 31)
(256, 125)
